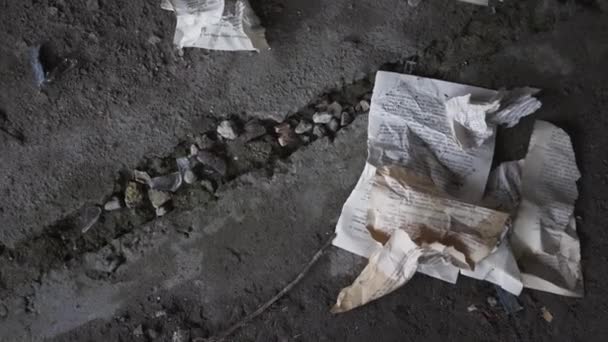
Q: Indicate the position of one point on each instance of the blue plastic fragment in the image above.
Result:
(509, 301)
(37, 68)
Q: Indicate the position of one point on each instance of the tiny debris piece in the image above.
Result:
(153, 39)
(139, 331)
(158, 198)
(287, 137)
(212, 161)
(207, 185)
(492, 301)
(335, 109)
(87, 217)
(319, 131)
(472, 308)
(227, 130)
(161, 211)
(345, 119)
(333, 125)
(170, 182)
(322, 118)
(304, 126)
(141, 177)
(189, 177)
(193, 150)
(180, 336)
(160, 313)
(253, 129)
(547, 316)
(112, 204)
(204, 142)
(37, 68)
(133, 195)
(362, 106)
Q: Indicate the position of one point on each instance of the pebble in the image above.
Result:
(180, 336)
(170, 182)
(153, 39)
(304, 126)
(335, 109)
(160, 313)
(161, 211)
(204, 142)
(345, 119)
(547, 316)
(139, 331)
(322, 118)
(133, 195)
(193, 150)
(286, 135)
(212, 161)
(253, 129)
(472, 308)
(207, 185)
(492, 301)
(112, 204)
(158, 198)
(227, 130)
(333, 125)
(141, 177)
(87, 217)
(189, 177)
(363, 106)
(319, 131)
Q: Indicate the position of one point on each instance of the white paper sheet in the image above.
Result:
(216, 25)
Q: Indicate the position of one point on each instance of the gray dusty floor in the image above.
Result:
(216, 257)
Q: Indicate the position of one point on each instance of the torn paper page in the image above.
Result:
(503, 191)
(514, 105)
(544, 237)
(408, 126)
(388, 269)
(216, 25)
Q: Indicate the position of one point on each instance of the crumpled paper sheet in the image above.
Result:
(229, 25)
(443, 133)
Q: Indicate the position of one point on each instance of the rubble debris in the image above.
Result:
(547, 315)
(112, 204)
(335, 109)
(189, 177)
(87, 217)
(362, 106)
(322, 117)
(542, 250)
(216, 25)
(287, 136)
(333, 125)
(141, 177)
(304, 126)
(319, 131)
(253, 130)
(346, 119)
(204, 142)
(170, 182)
(183, 164)
(138, 331)
(213, 162)
(133, 195)
(223, 335)
(492, 301)
(158, 198)
(227, 130)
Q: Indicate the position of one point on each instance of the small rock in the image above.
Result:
(141, 177)
(204, 142)
(160, 313)
(153, 39)
(158, 198)
(335, 109)
(3, 310)
(170, 182)
(287, 136)
(346, 119)
(133, 195)
(87, 217)
(322, 118)
(180, 336)
(161, 211)
(152, 333)
(207, 185)
(492, 301)
(253, 129)
(362, 106)
(472, 308)
(227, 130)
(52, 10)
(193, 150)
(319, 131)
(547, 316)
(333, 125)
(189, 177)
(139, 331)
(305, 139)
(212, 161)
(304, 126)
(112, 204)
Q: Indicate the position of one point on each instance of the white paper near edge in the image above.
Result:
(216, 25)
